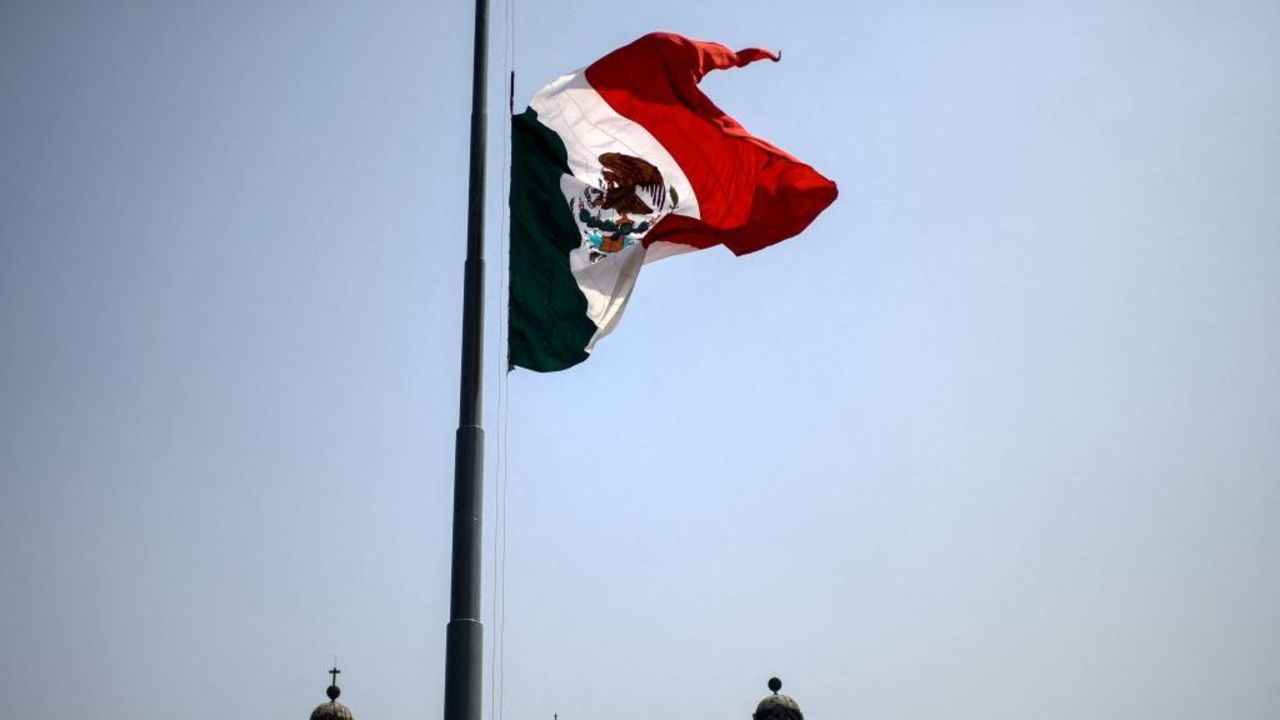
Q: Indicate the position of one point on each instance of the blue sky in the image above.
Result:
(997, 437)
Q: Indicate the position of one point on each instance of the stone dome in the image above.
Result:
(777, 706)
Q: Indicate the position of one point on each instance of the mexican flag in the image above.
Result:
(627, 162)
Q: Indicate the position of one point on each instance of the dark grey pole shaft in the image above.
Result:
(463, 667)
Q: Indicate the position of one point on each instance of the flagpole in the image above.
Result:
(464, 644)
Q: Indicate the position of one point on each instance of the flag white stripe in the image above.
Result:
(589, 128)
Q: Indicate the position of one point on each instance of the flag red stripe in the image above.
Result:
(751, 194)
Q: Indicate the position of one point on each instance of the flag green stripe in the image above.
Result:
(548, 324)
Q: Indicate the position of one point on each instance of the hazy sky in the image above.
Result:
(997, 437)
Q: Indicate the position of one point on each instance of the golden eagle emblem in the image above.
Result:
(621, 208)
(623, 176)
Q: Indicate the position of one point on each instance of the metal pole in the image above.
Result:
(463, 668)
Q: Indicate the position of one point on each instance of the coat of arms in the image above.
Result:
(629, 198)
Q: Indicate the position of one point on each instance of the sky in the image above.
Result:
(997, 437)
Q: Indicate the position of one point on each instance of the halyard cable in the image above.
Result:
(506, 374)
(499, 598)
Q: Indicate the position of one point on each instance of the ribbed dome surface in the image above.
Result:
(778, 707)
(332, 710)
